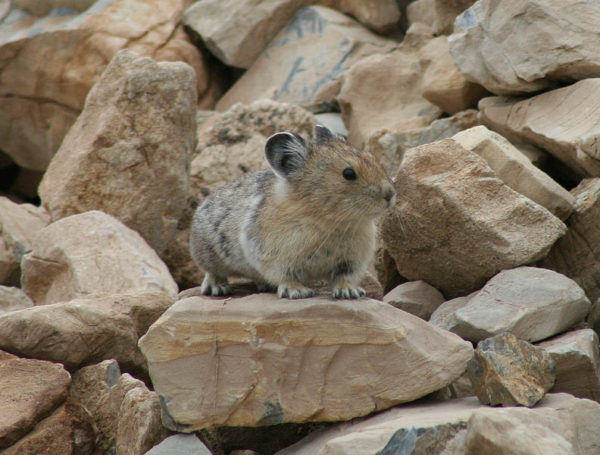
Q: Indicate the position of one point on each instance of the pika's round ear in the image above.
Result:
(286, 153)
(323, 134)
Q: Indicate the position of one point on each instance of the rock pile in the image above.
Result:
(480, 332)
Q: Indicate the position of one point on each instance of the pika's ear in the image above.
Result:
(286, 153)
(323, 134)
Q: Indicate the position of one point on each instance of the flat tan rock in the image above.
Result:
(518, 46)
(308, 55)
(516, 170)
(50, 62)
(456, 224)
(91, 253)
(260, 360)
(85, 331)
(558, 121)
(19, 224)
(134, 171)
(415, 297)
(29, 391)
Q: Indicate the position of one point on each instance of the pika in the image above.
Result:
(310, 217)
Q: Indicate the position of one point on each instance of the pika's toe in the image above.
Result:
(285, 292)
(348, 293)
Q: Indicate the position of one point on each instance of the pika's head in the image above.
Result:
(329, 176)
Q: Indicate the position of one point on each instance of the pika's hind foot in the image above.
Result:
(294, 291)
(212, 286)
(348, 293)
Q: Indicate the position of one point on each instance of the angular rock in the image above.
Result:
(445, 315)
(29, 391)
(445, 13)
(13, 299)
(456, 224)
(305, 58)
(19, 224)
(139, 425)
(383, 91)
(509, 372)
(40, 100)
(180, 444)
(415, 297)
(576, 254)
(389, 145)
(85, 331)
(577, 359)
(136, 171)
(250, 356)
(65, 432)
(91, 253)
(440, 428)
(558, 121)
(519, 46)
(421, 11)
(90, 383)
(529, 302)
(443, 84)
(516, 170)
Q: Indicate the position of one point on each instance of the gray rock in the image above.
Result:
(180, 444)
(531, 303)
(415, 297)
(509, 372)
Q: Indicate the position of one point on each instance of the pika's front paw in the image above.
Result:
(210, 286)
(294, 292)
(348, 293)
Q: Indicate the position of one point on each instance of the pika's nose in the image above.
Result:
(389, 194)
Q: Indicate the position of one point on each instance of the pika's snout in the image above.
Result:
(389, 194)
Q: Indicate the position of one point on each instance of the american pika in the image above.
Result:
(310, 217)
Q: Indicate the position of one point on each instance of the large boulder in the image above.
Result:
(305, 58)
(91, 253)
(85, 331)
(260, 360)
(54, 51)
(19, 224)
(558, 121)
(455, 224)
(516, 46)
(13, 299)
(128, 152)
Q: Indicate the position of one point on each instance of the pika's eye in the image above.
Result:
(349, 174)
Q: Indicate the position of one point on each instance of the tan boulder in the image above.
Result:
(13, 299)
(251, 356)
(305, 58)
(445, 13)
(415, 297)
(516, 170)
(516, 46)
(384, 91)
(19, 224)
(510, 372)
(422, 11)
(91, 253)
(91, 382)
(577, 358)
(136, 171)
(29, 391)
(40, 100)
(456, 224)
(86, 330)
(557, 121)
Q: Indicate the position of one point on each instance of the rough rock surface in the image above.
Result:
(444, 428)
(305, 58)
(577, 358)
(53, 53)
(516, 170)
(456, 224)
(258, 373)
(29, 391)
(128, 152)
(383, 91)
(559, 121)
(509, 372)
(86, 330)
(19, 224)
(518, 46)
(236, 32)
(91, 253)
(415, 297)
(13, 299)
(529, 302)
(576, 254)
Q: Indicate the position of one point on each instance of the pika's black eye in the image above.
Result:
(349, 174)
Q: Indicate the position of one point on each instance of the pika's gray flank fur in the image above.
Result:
(310, 217)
